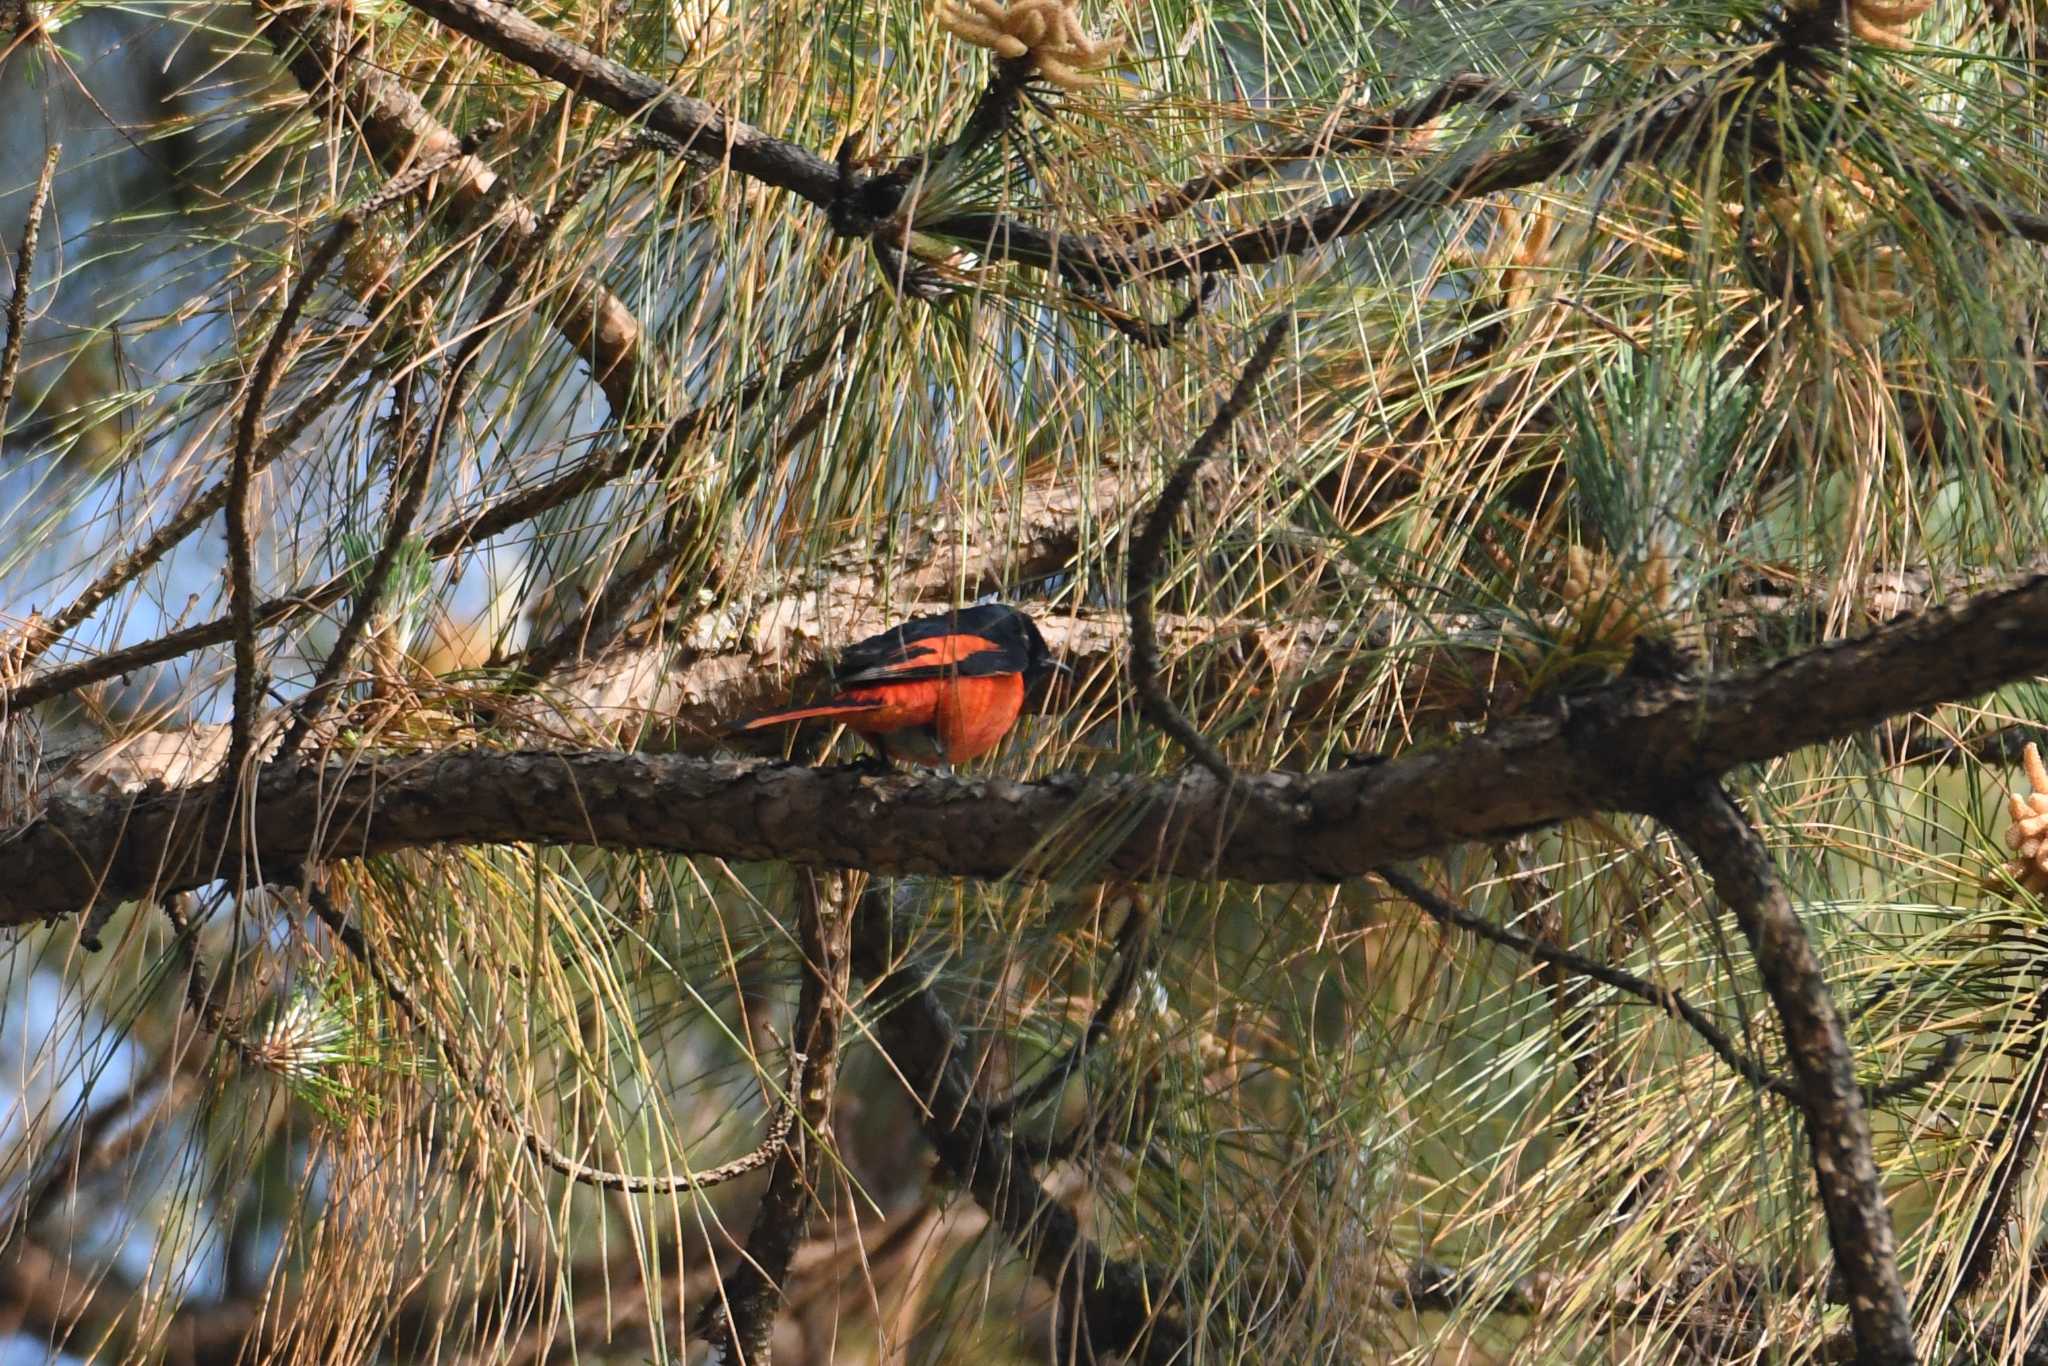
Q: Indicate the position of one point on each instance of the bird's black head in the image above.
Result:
(1040, 660)
(1003, 623)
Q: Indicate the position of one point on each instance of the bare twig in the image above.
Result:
(1100, 263)
(1144, 331)
(453, 536)
(242, 607)
(203, 990)
(500, 1108)
(742, 1316)
(1851, 1190)
(1130, 957)
(24, 268)
(1142, 572)
(1106, 1308)
(1106, 261)
(1920, 1078)
(1357, 133)
(1980, 213)
(1664, 998)
(1105, 264)
(242, 610)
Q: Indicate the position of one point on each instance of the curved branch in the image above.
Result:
(1664, 998)
(500, 1107)
(1132, 957)
(1142, 570)
(1837, 1126)
(241, 541)
(707, 133)
(1628, 746)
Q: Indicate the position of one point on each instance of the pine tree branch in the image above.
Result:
(741, 1317)
(1837, 1125)
(1633, 745)
(1446, 912)
(1142, 568)
(707, 133)
(1107, 1308)
(24, 269)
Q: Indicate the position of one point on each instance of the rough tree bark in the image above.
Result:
(1629, 746)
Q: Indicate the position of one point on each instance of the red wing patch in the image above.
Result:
(935, 657)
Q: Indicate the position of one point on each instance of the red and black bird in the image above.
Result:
(935, 690)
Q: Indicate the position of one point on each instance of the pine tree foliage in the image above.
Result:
(412, 377)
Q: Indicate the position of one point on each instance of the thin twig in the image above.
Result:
(1130, 962)
(1104, 261)
(1357, 133)
(457, 534)
(1142, 573)
(1099, 262)
(1664, 998)
(243, 615)
(1144, 331)
(500, 1107)
(707, 134)
(1851, 1190)
(419, 465)
(203, 989)
(1920, 1078)
(24, 268)
(243, 612)
(741, 1317)
(1114, 1308)
(2017, 1144)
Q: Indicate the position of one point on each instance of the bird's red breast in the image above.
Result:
(930, 691)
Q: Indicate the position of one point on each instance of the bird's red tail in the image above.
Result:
(824, 709)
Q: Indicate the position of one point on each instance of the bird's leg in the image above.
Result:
(875, 759)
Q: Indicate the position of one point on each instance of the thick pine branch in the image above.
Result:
(1837, 1125)
(1630, 746)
